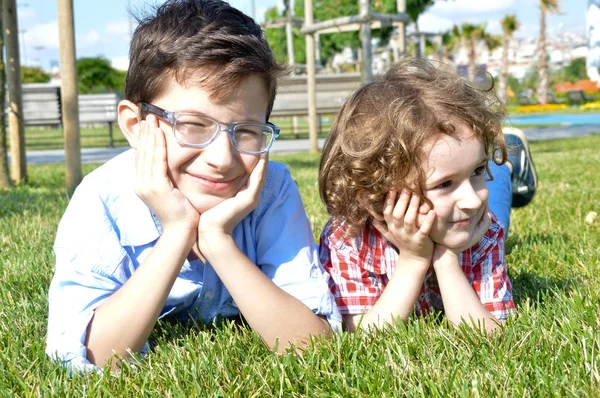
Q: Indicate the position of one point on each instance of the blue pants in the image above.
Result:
(500, 188)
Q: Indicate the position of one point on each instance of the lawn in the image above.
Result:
(551, 348)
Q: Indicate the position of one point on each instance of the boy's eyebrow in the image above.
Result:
(197, 112)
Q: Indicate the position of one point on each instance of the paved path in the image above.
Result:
(89, 155)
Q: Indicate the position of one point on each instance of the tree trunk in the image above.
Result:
(542, 89)
(5, 181)
(14, 111)
(504, 69)
(472, 60)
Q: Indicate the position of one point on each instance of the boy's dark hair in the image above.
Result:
(376, 142)
(183, 37)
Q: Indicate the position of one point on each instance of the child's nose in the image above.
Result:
(469, 197)
(221, 153)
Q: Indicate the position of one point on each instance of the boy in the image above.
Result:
(194, 222)
(403, 175)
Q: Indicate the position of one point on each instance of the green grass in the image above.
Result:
(551, 348)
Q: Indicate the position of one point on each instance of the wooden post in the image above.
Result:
(14, 99)
(401, 47)
(70, 107)
(311, 78)
(365, 37)
(289, 34)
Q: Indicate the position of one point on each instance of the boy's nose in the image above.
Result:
(220, 154)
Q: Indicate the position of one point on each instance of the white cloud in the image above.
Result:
(470, 7)
(88, 39)
(120, 63)
(433, 23)
(43, 35)
(25, 13)
(119, 28)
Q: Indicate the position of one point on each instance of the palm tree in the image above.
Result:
(510, 24)
(5, 181)
(470, 35)
(542, 89)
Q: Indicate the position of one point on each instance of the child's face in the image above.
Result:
(455, 184)
(207, 176)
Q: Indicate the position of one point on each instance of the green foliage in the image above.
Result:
(576, 70)
(34, 74)
(96, 75)
(550, 348)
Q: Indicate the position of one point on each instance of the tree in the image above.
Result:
(5, 181)
(470, 35)
(546, 6)
(34, 74)
(510, 24)
(96, 75)
(576, 70)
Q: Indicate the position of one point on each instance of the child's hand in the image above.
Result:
(399, 225)
(153, 184)
(222, 218)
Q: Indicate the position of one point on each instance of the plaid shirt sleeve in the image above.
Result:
(486, 270)
(356, 288)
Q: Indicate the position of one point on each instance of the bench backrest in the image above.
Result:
(96, 108)
(42, 106)
(332, 92)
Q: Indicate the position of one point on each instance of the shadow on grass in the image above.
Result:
(536, 288)
(516, 240)
(24, 200)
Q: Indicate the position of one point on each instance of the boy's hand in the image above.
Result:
(222, 218)
(153, 184)
(399, 225)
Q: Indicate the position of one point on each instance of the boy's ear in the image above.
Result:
(129, 121)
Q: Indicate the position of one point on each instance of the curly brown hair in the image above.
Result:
(376, 142)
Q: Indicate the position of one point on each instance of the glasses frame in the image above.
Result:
(171, 117)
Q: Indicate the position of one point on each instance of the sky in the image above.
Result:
(103, 28)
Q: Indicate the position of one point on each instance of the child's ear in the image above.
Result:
(129, 121)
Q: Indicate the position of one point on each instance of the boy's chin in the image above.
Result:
(204, 203)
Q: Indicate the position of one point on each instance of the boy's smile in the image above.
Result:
(207, 176)
(455, 184)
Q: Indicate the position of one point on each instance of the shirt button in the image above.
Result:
(208, 295)
(314, 273)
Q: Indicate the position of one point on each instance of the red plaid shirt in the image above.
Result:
(361, 267)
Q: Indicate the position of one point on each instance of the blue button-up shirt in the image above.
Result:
(107, 232)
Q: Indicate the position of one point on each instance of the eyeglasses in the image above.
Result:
(198, 131)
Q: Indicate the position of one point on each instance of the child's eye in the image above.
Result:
(479, 171)
(444, 184)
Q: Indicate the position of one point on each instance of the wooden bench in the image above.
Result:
(98, 109)
(332, 92)
(577, 97)
(42, 107)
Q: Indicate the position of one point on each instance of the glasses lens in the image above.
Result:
(253, 137)
(194, 129)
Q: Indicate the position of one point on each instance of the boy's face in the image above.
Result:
(207, 176)
(455, 184)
